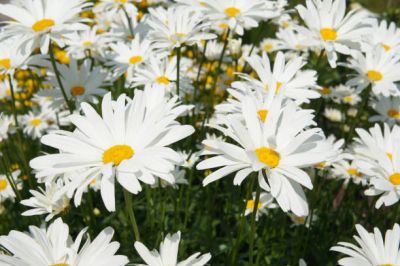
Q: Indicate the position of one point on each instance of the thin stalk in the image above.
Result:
(178, 69)
(14, 109)
(203, 59)
(58, 77)
(242, 223)
(253, 225)
(129, 210)
(362, 108)
(11, 181)
(129, 21)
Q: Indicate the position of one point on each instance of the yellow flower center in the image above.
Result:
(62, 56)
(326, 91)
(348, 99)
(232, 11)
(320, 165)
(387, 47)
(87, 43)
(268, 47)
(251, 203)
(36, 121)
(77, 91)
(268, 156)
(120, 1)
(395, 179)
(5, 63)
(353, 171)
(163, 80)
(298, 46)
(116, 154)
(180, 34)
(285, 24)
(262, 114)
(387, 264)
(223, 26)
(43, 24)
(374, 75)
(135, 59)
(3, 184)
(394, 113)
(389, 155)
(60, 264)
(328, 34)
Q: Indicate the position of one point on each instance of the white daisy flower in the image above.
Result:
(388, 109)
(6, 190)
(266, 202)
(372, 249)
(305, 221)
(349, 170)
(11, 57)
(290, 39)
(384, 35)
(37, 123)
(345, 94)
(5, 122)
(157, 72)
(54, 246)
(239, 14)
(128, 57)
(36, 22)
(377, 68)
(278, 147)
(177, 26)
(121, 144)
(168, 255)
(240, 92)
(299, 84)
(372, 142)
(81, 83)
(269, 45)
(80, 43)
(337, 152)
(51, 201)
(327, 23)
(378, 157)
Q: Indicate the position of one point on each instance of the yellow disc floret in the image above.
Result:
(251, 203)
(374, 75)
(268, 156)
(116, 154)
(163, 80)
(395, 179)
(328, 34)
(77, 90)
(3, 184)
(232, 11)
(135, 59)
(43, 24)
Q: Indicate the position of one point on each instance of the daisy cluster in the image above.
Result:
(143, 115)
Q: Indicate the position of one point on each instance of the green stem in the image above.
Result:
(242, 223)
(253, 224)
(129, 21)
(14, 109)
(360, 110)
(129, 210)
(178, 69)
(58, 77)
